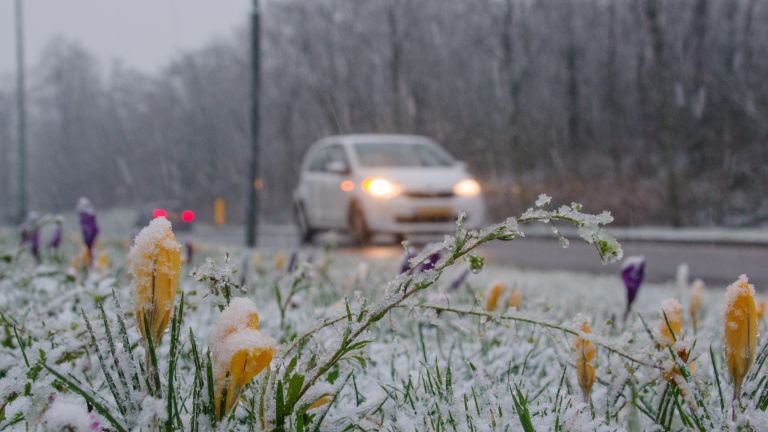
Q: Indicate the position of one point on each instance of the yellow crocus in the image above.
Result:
(671, 319)
(670, 332)
(280, 261)
(697, 296)
(237, 359)
(255, 259)
(515, 299)
(322, 400)
(585, 353)
(760, 309)
(493, 294)
(240, 313)
(102, 262)
(81, 260)
(155, 263)
(740, 331)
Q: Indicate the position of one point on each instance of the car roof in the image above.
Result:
(376, 138)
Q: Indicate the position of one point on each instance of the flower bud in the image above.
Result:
(740, 331)
(155, 262)
(493, 294)
(585, 353)
(240, 352)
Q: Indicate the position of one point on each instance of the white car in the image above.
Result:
(394, 184)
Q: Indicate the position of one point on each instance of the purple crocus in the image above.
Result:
(632, 272)
(189, 248)
(405, 264)
(456, 283)
(292, 262)
(55, 240)
(430, 262)
(30, 233)
(88, 225)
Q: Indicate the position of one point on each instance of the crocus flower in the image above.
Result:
(292, 262)
(189, 249)
(154, 261)
(515, 299)
(240, 351)
(255, 259)
(632, 272)
(493, 294)
(55, 240)
(740, 331)
(671, 322)
(240, 313)
(322, 400)
(430, 262)
(280, 261)
(585, 353)
(405, 264)
(88, 224)
(697, 296)
(456, 283)
(30, 233)
(670, 333)
(80, 261)
(67, 413)
(102, 262)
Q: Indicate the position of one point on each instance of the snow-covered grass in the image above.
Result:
(358, 346)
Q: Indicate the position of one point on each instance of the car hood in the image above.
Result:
(420, 179)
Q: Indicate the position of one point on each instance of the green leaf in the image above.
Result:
(294, 388)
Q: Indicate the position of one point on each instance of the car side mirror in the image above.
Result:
(337, 167)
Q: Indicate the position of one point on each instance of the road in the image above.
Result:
(716, 263)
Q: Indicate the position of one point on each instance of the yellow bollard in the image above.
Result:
(219, 212)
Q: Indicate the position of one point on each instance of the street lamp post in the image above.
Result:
(21, 122)
(254, 183)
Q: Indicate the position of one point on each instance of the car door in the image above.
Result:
(335, 197)
(312, 181)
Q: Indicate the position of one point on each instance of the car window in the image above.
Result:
(319, 160)
(336, 153)
(401, 155)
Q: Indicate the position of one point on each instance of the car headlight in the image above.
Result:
(467, 188)
(381, 187)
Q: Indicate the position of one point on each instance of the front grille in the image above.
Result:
(417, 194)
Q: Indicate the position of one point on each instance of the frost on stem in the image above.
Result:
(543, 200)
(425, 269)
(218, 277)
(589, 226)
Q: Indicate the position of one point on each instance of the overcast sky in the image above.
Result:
(144, 34)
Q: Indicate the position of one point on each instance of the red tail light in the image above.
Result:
(158, 212)
(187, 216)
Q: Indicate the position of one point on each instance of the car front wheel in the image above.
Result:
(358, 228)
(306, 232)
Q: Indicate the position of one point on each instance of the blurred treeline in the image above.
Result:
(654, 109)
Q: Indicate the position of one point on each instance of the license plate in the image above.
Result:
(434, 212)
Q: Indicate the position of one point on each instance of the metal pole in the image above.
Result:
(252, 211)
(22, 117)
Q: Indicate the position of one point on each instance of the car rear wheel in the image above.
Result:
(306, 232)
(358, 228)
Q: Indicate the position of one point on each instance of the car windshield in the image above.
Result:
(401, 155)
